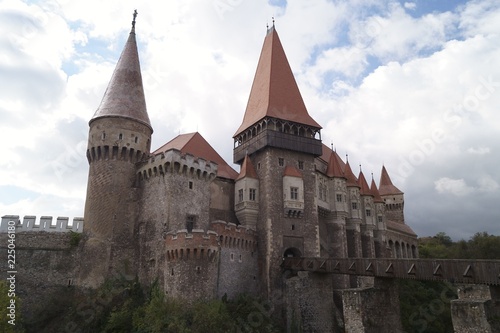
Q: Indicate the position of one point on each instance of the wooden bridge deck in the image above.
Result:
(451, 270)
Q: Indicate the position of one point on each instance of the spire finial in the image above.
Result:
(332, 145)
(372, 175)
(273, 21)
(347, 158)
(133, 21)
(360, 168)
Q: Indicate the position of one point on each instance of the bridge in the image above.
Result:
(450, 270)
(477, 308)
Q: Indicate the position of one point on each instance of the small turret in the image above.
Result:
(392, 196)
(247, 195)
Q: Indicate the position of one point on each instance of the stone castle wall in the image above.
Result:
(44, 223)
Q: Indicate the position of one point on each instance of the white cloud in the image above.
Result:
(456, 187)
(478, 150)
(410, 5)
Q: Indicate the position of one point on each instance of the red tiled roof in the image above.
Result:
(124, 96)
(351, 178)
(385, 186)
(247, 169)
(334, 168)
(292, 171)
(363, 185)
(196, 145)
(375, 192)
(274, 91)
(400, 227)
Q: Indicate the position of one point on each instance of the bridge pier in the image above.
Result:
(477, 309)
(372, 310)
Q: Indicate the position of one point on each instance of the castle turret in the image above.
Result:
(282, 140)
(119, 137)
(246, 201)
(379, 233)
(392, 196)
(368, 211)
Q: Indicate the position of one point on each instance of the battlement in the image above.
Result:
(100, 153)
(173, 161)
(234, 236)
(197, 244)
(45, 223)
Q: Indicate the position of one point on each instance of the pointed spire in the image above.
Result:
(274, 90)
(351, 178)
(247, 169)
(124, 96)
(334, 169)
(385, 186)
(363, 185)
(374, 190)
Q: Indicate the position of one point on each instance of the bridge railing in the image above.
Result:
(451, 270)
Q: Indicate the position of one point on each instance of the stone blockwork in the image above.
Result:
(477, 309)
(374, 309)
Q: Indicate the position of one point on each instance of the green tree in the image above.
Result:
(6, 314)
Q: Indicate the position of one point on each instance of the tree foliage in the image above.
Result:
(425, 305)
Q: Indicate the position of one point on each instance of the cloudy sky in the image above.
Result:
(411, 85)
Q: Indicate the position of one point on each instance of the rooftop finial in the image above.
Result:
(347, 158)
(360, 168)
(273, 21)
(133, 21)
(332, 145)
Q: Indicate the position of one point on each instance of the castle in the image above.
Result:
(182, 216)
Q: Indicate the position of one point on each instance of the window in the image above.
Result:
(136, 138)
(339, 197)
(190, 185)
(120, 136)
(240, 195)
(379, 218)
(258, 166)
(231, 257)
(294, 193)
(281, 161)
(354, 205)
(368, 212)
(190, 220)
(103, 135)
(301, 165)
(252, 194)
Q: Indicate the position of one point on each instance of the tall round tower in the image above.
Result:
(119, 137)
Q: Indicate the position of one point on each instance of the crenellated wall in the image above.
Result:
(44, 223)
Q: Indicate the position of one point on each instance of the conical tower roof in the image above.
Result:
(274, 90)
(374, 190)
(385, 186)
(124, 96)
(351, 178)
(334, 168)
(363, 184)
(247, 169)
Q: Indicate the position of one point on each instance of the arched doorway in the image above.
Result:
(292, 252)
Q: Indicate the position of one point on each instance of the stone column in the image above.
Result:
(477, 309)
(373, 310)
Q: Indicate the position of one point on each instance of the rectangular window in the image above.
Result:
(294, 193)
(190, 220)
(252, 194)
(354, 205)
(281, 161)
(339, 197)
(190, 185)
(368, 212)
(301, 165)
(379, 218)
(240, 195)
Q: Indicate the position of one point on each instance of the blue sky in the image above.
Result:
(412, 85)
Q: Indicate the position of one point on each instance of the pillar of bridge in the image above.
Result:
(308, 304)
(477, 309)
(374, 309)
